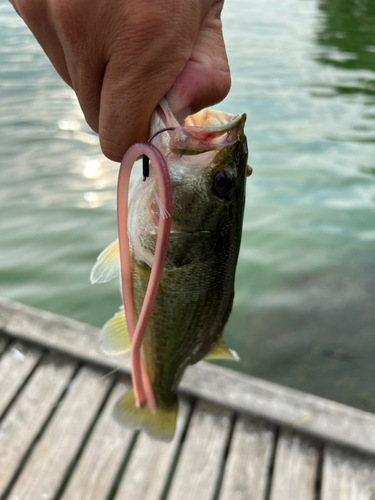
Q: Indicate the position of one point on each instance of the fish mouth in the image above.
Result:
(205, 131)
(213, 121)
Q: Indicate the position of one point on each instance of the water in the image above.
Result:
(304, 71)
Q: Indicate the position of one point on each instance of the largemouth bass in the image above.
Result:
(207, 165)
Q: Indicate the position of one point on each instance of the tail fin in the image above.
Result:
(160, 425)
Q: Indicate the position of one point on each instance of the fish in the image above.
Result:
(206, 158)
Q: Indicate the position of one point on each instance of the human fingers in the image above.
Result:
(121, 57)
(162, 46)
(191, 70)
(205, 79)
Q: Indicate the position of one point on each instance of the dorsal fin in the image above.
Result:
(114, 336)
(107, 265)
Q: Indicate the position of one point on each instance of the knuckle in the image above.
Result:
(158, 18)
(22, 7)
(28, 10)
(67, 17)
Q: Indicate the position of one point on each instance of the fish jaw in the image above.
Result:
(208, 130)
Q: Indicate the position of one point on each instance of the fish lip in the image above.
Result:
(205, 129)
(194, 139)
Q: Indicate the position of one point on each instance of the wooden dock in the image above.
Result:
(237, 438)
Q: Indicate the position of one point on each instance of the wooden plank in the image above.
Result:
(151, 461)
(198, 469)
(347, 475)
(26, 417)
(328, 420)
(50, 460)
(295, 469)
(102, 457)
(7, 309)
(312, 415)
(4, 341)
(61, 334)
(15, 366)
(248, 462)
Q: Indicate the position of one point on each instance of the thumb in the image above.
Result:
(205, 79)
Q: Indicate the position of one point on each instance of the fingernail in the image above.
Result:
(184, 113)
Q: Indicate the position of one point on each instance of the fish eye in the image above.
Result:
(223, 181)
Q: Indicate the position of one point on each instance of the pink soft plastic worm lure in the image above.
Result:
(141, 382)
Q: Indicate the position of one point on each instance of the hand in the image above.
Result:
(122, 56)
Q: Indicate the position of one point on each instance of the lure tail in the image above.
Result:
(158, 425)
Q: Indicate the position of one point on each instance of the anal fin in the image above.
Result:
(114, 336)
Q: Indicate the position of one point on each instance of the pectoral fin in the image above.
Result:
(114, 336)
(221, 351)
(160, 425)
(108, 265)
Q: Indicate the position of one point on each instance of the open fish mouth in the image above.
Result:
(205, 131)
(213, 120)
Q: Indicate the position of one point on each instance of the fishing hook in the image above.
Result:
(145, 159)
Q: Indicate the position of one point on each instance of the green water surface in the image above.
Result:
(304, 72)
